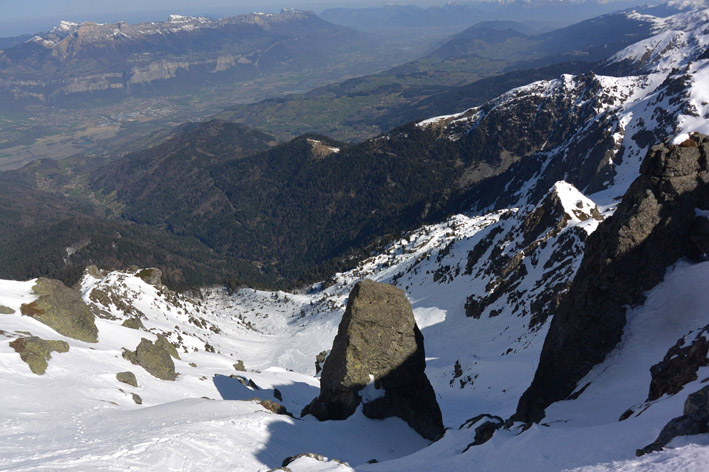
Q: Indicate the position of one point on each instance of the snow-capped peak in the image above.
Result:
(680, 39)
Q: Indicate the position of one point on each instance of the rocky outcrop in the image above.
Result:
(378, 360)
(546, 239)
(36, 352)
(680, 365)
(62, 309)
(154, 358)
(151, 276)
(695, 420)
(4, 310)
(483, 431)
(627, 255)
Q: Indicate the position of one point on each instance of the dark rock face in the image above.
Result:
(62, 309)
(485, 430)
(700, 234)
(154, 358)
(378, 342)
(679, 365)
(627, 255)
(694, 421)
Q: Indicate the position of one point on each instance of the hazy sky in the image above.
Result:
(28, 16)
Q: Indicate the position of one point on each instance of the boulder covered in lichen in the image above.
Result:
(36, 352)
(127, 378)
(154, 358)
(62, 309)
(378, 346)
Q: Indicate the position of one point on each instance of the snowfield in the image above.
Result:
(77, 416)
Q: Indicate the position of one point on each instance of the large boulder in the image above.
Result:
(154, 358)
(659, 220)
(36, 352)
(62, 309)
(378, 346)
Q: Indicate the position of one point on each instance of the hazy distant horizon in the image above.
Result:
(34, 16)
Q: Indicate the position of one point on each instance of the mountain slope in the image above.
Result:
(589, 130)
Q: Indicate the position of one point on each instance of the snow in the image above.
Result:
(686, 458)
(77, 416)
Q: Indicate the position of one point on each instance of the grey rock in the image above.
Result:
(4, 310)
(94, 272)
(273, 407)
(378, 337)
(153, 358)
(242, 380)
(36, 352)
(62, 309)
(127, 378)
(239, 366)
(484, 430)
(700, 234)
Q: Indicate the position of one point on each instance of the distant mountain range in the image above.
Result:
(540, 15)
(456, 75)
(75, 61)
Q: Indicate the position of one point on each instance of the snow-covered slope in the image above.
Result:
(483, 288)
(78, 416)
